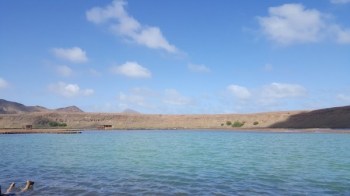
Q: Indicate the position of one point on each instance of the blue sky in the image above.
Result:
(176, 57)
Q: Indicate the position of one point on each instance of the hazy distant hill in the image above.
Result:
(9, 107)
(130, 111)
(69, 109)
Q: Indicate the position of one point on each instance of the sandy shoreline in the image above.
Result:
(262, 130)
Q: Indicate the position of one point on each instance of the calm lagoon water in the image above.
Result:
(178, 163)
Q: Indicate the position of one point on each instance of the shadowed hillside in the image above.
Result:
(338, 117)
(9, 107)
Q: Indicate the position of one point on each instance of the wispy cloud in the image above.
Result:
(173, 97)
(3, 83)
(268, 67)
(342, 35)
(94, 72)
(345, 99)
(128, 27)
(164, 101)
(263, 98)
(198, 68)
(340, 1)
(280, 90)
(239, 92)
(293, 23)
(137, 98)
(64, 71)
(69, 90)
(74, 55)
(133, 70)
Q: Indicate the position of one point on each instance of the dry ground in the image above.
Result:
(325, 118)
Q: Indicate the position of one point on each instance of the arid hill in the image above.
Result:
(9, 107)
(338, 117)
(73, 109)
(72, 118)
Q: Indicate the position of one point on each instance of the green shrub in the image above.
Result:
(228, 123)
(57, 124)
(238, 124)
(256, 123)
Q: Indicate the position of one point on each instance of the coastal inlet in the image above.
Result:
(178, 162)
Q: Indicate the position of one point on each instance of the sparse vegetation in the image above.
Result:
(228, 123)
(57, 124)
(222, 124)
(47, 123)
(256, 123)
(238, 124)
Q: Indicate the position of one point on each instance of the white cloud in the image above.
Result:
(64, 70)
(173, 97)
(342, 36)
(340, 1)
(292, 23)
(198, 68)
(69, 90)
(75, 54)
(132, 69)
(3, 83)
(129, 27)
(239, 92)
(279, 90)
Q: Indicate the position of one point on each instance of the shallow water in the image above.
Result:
(178, 163)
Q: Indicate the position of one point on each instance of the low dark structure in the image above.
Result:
(105, 127)
(28, 127)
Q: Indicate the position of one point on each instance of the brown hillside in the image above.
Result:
(338, 117)
(73, 118)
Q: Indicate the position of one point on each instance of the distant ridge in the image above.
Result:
(10, 107)
(130, 111)
(69, 109)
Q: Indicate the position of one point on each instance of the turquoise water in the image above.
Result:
(178, 163)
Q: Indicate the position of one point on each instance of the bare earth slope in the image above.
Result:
(326, 118)
(17, 115)
(338, 117)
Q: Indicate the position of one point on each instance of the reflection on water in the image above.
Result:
(177, 162)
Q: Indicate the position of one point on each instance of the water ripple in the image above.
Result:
(178, 163)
